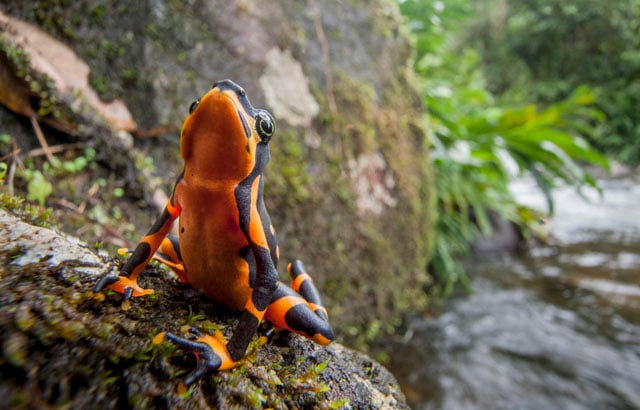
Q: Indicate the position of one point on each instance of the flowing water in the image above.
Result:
(557, 328)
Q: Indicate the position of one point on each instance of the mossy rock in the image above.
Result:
(349, 187)
(62, 346)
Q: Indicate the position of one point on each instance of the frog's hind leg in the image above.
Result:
(168, 254)
(299, 308)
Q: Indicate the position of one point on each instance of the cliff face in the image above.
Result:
(349, 185)
(62, 347)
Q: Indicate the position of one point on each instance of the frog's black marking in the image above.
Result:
(243, 190)
(307, 289)
(160, 222)
(242, 95)
(140, 254)
(242, 335)
(175, 243)
(265, 283)
(245, 253)
(172, 199)
(266, 225)
(302, 319)
(245, 126)
(193, 106)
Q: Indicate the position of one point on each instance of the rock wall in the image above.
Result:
(349, 186)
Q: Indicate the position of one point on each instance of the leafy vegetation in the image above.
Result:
(480, 144)
(541, 50)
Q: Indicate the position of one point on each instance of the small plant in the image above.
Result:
(38, 188)
(192, 318)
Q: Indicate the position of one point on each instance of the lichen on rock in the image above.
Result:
(286, 89)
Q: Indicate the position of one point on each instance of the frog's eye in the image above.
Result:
(193, 106)
(265, 126)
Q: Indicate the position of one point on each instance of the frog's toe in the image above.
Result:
(211, 353)
(129, 288)
(128, 291)
(105, 281)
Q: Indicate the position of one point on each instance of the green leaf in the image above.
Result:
(38, 188)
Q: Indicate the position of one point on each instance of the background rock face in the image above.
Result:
(348, 186)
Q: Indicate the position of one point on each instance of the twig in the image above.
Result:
(12, 164)
(90, 194)
(41, 139)
(117, 239)
(13, 154)
(154, 132)
(54, 149)
(10, 175)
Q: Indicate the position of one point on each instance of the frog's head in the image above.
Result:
(224, 137)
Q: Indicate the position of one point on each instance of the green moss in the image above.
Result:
(17, 206)
(25, 320)
(71, 330)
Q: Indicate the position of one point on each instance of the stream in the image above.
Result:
(555, 328)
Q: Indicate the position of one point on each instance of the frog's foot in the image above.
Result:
(121, 284)
(211, 353)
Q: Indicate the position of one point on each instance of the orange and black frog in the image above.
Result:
(226, 246)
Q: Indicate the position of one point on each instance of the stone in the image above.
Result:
(86, 352)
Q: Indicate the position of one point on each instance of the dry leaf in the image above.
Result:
(67, 75)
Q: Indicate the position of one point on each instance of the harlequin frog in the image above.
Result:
(226, 246)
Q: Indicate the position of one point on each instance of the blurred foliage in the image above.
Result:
(541, 50)
(479, 145)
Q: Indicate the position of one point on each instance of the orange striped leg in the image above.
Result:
(299, 309)
(126, 283)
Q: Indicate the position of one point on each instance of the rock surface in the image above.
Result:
(349, 185)
(63, 347)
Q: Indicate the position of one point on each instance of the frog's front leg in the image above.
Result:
(126, 282)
